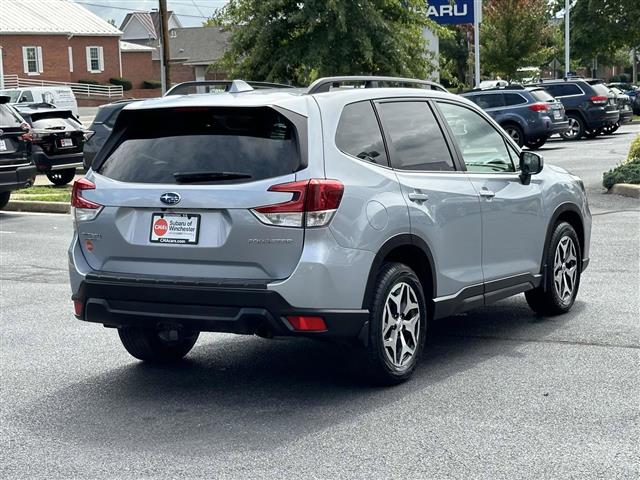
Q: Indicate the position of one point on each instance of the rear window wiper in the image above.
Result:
(194, 177)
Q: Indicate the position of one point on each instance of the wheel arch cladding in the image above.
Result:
(411, 251)
(570, 213)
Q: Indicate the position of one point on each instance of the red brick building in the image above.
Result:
(57, 40)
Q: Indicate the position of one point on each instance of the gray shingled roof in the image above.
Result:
(197, 45)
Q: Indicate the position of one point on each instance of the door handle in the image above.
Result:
(487, 193)
(418, 197)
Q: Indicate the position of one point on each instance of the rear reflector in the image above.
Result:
(77, 307)
(307, 324)
(313, 204)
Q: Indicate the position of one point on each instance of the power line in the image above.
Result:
(137, 10)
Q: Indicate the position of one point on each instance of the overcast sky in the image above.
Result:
(191, 12)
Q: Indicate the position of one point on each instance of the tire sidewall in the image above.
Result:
(580, 124)
(389, 277)
(563, 229)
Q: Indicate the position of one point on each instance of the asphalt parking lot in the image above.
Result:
(500, 394)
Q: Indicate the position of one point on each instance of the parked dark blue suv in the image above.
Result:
(529, 115)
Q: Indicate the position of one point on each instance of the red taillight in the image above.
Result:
(307, 324)
(539, 107)
(76, 194)
(313, 204)
(599, 99)
(77, 307)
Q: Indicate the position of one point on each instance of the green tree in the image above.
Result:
(601, 27)
(514, 33)
(454, 54)
(298, 41)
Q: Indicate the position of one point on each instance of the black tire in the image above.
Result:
(150, 346)
(380, 368)
(536, 143)
(590, 134)
(4, 199)
(549, 301)
(577, 128)
(61, 177)
(515, 132)
(610, 129)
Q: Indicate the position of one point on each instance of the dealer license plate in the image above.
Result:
(66, 142)
(175, 228)
(3, 146)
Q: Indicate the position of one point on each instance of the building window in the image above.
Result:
(32, 60)
(95, 59)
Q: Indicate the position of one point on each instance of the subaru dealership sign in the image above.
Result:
(450, 12)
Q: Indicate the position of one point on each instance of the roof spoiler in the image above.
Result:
(325, 84)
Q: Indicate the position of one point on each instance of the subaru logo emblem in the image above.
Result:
(170, 198)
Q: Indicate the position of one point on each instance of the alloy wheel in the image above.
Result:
(574, 129)
(401, 324)
(514, 134)
(565, 269)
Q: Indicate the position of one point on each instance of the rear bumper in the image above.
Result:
(45, 162)
(599, 117)
(15, 179)
(193, 304)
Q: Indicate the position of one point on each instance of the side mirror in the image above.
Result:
(530, 164)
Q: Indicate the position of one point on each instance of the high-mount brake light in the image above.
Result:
(83, 209)
(599, 99)
(539, 107)
(313, 204)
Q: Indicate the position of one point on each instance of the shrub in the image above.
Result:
(151, 84)
(88, 81)
(126, 84)
(627, 172)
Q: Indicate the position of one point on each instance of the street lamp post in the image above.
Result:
(567, 28)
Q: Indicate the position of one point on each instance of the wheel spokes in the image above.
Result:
(401, 324)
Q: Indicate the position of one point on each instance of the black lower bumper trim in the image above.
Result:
(122, 303)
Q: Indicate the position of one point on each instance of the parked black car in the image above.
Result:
(57, 141)
(624, 106)
(589, 104)
(529, 115)
(16, 168)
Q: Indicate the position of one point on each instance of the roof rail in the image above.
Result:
(324, 84)
(222, 85)
(514, 86)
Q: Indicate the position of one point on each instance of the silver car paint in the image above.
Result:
(332, 264)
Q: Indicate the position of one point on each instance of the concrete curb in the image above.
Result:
(626, 189)
(41, 207)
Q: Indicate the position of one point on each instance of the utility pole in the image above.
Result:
(164, 47)
(634, 68)
(567, 28)
(477, 17)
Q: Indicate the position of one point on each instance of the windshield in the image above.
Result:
(13, 94)
(8, 118)
(251, 143)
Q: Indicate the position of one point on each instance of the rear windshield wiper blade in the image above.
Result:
(193, 177)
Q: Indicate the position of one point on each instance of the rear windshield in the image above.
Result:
(55, 123)
(601, 89)
(542, 95)
(8, 118)
(257, 143)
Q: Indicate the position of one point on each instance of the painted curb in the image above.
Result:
(626, 189)
(40, 207)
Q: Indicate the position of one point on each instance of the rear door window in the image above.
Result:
(493, 100)
(359, 134)
(416, 140)
(564, 89)
(157, 145)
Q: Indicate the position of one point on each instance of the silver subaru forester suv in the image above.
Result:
(337, 211)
